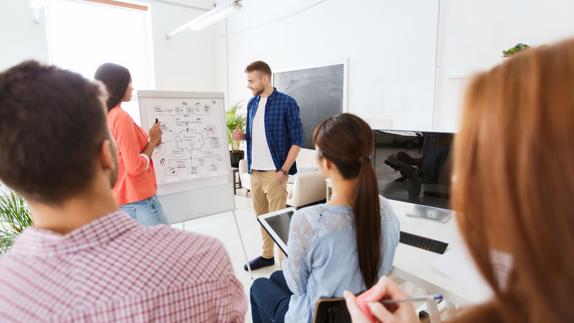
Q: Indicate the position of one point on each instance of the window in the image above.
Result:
(84, 34)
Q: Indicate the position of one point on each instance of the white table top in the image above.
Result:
(415, 264)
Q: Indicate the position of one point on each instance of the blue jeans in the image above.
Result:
(270, 298)
(147, 212)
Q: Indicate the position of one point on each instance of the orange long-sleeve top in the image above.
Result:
(136, 175)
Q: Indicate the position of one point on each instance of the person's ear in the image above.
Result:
(327, 164)
(321, 165)
(108, 155)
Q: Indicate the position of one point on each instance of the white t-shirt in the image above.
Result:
(260, 154)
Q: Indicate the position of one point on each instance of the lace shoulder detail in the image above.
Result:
(307, 226)
(297, 269)
(336, 221)
(301, 236)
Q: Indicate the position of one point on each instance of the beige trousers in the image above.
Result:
(268, 196)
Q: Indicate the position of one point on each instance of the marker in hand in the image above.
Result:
(363, 303)
(435, 297)
(159, 129)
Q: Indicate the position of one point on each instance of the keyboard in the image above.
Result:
(423, 243)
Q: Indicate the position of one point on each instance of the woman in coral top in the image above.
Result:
(136, 186)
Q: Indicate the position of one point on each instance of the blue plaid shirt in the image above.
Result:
(283, 127)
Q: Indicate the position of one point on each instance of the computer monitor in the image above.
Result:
(415, 167)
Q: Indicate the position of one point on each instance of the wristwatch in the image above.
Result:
(284, 172)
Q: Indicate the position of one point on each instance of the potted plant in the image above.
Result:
(515, 49)
(235, 121)
(14, 218)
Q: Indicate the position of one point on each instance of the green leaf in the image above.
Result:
(234, 120)
(14, 218)
(515, 49)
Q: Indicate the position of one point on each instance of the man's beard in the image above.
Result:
(259, 92)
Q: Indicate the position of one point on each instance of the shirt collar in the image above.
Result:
(273, 94)
(35, 241)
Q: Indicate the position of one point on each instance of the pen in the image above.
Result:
(435, 297)
(156, 120)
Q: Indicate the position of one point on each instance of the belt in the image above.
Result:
(263, 171)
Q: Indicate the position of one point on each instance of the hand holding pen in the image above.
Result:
(398, 307)
(155, 133)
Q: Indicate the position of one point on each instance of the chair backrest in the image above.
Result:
(306, 159)
(331, 310)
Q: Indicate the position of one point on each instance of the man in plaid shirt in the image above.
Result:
(274, 137)
(83, 260)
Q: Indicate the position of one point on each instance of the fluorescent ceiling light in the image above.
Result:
(207, 19)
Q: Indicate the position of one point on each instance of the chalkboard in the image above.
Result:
(192, 164)
(320, 93)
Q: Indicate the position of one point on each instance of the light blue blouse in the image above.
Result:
(322, 255)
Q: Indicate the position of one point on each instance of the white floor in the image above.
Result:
(222, 226)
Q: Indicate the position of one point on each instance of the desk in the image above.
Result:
(415, 265)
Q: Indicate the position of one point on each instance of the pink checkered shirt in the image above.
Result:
(115, 270)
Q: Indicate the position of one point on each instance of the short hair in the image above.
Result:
(52, 124)
(116, 78)
(260, 66)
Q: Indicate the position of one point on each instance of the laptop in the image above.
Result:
(276, 223)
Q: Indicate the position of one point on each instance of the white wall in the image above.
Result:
(185, 62)
(391, 47)
(188, 60)
(20, 37)
(474, 33)
(389, 43)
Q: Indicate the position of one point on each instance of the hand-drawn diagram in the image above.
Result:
(192, 145)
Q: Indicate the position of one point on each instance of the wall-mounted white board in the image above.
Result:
(192, 165)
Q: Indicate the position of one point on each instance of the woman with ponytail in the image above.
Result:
(345, 244)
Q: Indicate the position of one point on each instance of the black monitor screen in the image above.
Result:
(414, 166)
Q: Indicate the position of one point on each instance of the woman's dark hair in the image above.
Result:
(347, 141)
(116, 78)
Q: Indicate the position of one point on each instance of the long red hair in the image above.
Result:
(513, 184)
